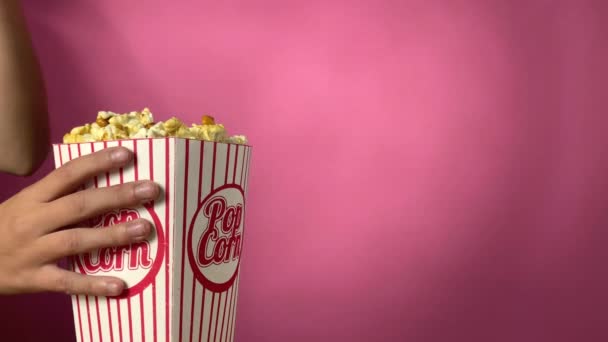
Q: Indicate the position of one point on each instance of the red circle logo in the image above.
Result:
(215, 238)
(137, 264)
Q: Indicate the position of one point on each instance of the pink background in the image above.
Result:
(422, 171)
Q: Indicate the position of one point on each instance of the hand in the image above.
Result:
(32, 239)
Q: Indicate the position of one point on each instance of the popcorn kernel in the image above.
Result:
(101, 122)
(208, 120)
(172, 125)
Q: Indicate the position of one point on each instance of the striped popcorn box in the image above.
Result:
(182, 283)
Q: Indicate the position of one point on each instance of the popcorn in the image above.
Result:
(184, 132)
(172, 125)
(81, 129)
(101, 122)
(105, 115)
(209, 132)
(71, 138)
(142, 133)
(138, 125)
(156, 131)
(208, 120)
(145, 117)
(98, 131)
(237, 139)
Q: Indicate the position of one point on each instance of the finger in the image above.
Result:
(55, 279)
(76, 172)
(81, 240)
(79, 206)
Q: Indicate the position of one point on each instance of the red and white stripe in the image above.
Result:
(205, 315)
(175, 307)
(130, 319)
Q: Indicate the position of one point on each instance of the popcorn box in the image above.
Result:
(182, 283)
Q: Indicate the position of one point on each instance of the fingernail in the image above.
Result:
(120, 155)
(138, 230)
(146, 191)
(113, 289)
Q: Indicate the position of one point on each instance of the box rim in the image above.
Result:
(157, 138)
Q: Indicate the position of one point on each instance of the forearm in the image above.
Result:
(24, 135)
